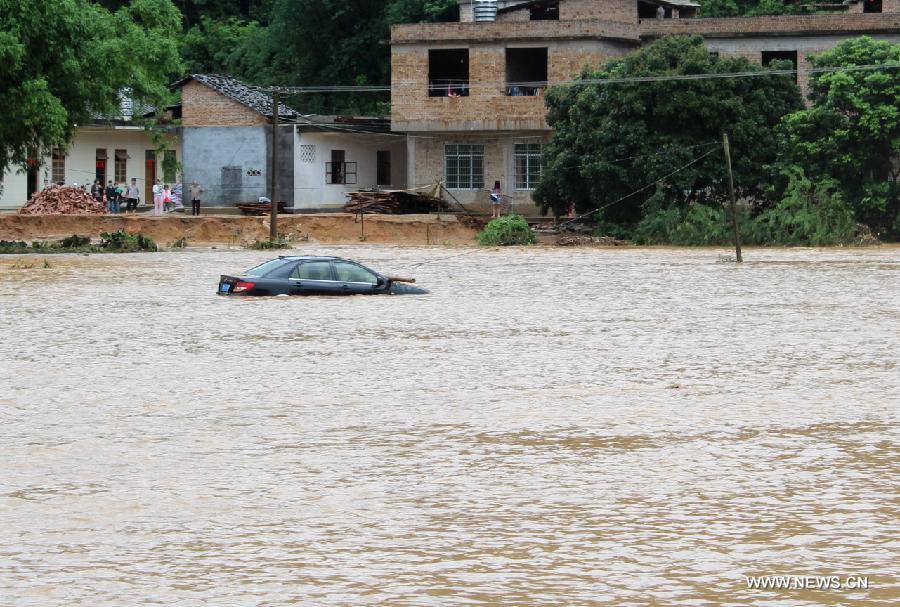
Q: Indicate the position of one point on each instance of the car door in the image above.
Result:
(314, 277)
(355, 279)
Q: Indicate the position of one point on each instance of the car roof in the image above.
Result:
(308, 257)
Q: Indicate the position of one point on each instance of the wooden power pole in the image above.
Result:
(273, 190)
(734, 221)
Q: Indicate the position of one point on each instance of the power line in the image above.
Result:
(641, 189)
(578, 82)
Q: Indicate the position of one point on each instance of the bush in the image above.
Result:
(506, 231)
(809, 214)
(121, 241)
(698, 225)
(75, 241)
(263, 245)
(13, 246)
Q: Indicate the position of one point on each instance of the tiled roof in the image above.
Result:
(235, 89)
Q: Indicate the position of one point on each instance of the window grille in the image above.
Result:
(464, 166)
(307, 153)
(340, 173)
(58, 166)
(528, 165)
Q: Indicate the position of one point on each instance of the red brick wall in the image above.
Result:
(203, 106)
(419, 33)
(611, 10)
(487, 107)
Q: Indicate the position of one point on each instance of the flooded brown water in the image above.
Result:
(548, 427)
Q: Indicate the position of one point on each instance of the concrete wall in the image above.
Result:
(208, 150)
(80, 166)
(311, 191)
(425, 158)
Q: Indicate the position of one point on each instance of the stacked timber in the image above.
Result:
(393, 203)
(60, 200)
(258, 208)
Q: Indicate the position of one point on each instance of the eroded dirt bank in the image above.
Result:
(223, 229)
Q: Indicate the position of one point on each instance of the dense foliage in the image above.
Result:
(818, 175)
(633, 149)
(62, 61)
(506, 231)
(848, 142)
(310, 42)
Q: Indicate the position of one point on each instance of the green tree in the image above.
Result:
(64, 61)
(343, 42)
(851, 134)
(634, 149)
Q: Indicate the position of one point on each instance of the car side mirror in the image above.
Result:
(381, 281)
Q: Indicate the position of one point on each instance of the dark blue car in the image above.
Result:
(304, 275)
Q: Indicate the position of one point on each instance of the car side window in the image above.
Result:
(350, 272)
(313, 270)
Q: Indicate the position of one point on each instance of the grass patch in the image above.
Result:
(506, 231)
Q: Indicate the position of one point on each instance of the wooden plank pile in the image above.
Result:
(258, 208)
(393, 203)
(60, 200)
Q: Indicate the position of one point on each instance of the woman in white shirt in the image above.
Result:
(157, 198)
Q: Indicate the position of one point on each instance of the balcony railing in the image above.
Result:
(439, 87)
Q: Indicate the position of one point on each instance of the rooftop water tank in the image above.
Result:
(485, 10)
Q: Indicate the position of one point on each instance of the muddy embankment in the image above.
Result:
(236, 230)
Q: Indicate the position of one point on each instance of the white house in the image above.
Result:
(334, 156)
(117, 152)
(227, 143)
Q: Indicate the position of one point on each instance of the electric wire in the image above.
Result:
(639, 190)
(578, 81)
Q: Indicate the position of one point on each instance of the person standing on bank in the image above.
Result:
(112, 198)
(195, 191)
(132, 194)
(496, 200)
(157, 198)
(96, 190)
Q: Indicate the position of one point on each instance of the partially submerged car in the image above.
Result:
(306, 275)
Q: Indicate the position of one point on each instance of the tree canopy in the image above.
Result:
(850, 136)
(631, 148)
(64, 61)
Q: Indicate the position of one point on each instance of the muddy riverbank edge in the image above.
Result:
(333, 228)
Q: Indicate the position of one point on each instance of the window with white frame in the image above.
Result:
(464, 166)
(528, 165)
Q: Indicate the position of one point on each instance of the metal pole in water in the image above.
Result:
(273, 214)
(734, 223)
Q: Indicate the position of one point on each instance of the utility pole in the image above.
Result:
(273, 190)
(734, 222)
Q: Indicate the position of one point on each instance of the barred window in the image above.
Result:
(464, 166)
(58, 166)
(528, 165)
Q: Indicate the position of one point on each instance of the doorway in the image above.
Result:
(149, 175)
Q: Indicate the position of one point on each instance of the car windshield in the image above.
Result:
(264, 268)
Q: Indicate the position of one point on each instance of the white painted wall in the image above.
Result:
(311, 191)
(81, 161)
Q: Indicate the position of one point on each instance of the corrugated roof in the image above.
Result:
(235, 89)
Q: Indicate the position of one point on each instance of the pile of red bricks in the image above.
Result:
(57, 200)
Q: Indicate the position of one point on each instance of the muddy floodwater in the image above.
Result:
(548, 427)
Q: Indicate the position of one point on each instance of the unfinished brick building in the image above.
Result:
(469, 94)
